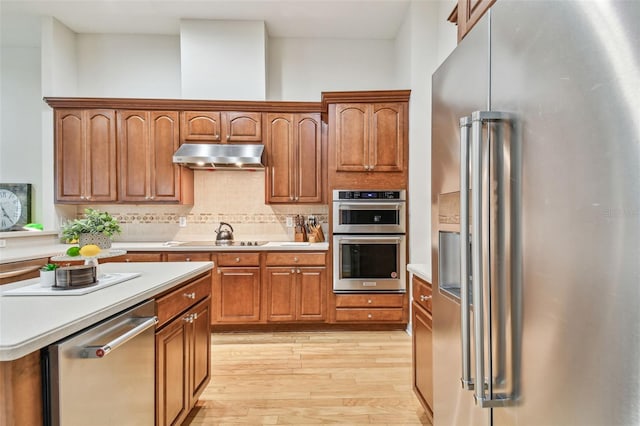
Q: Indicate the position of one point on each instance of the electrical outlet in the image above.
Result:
(3, 243)
(289, 222)
(182, 221)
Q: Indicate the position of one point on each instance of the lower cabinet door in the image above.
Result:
(281, 294)
(200, 351)
(423, 357)
(237, 295)
(172, 403)
(311, 294)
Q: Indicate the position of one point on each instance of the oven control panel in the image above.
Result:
(368, 195)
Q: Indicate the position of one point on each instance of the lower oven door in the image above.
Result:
(369, 263)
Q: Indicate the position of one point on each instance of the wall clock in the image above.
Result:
(15, 206)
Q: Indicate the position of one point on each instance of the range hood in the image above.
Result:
(207, 156)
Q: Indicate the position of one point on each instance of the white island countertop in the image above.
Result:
(28, 323)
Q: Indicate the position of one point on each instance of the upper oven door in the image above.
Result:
(379, 217)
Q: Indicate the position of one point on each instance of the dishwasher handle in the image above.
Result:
(104, 350)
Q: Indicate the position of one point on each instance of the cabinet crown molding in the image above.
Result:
(183, 104)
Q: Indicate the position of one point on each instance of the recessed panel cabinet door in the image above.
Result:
(172, 347)
(352, 137)
(311, 294)
(85, 149)
(147, 141)
(200, 351)
(279, 146)
(281, 294)
(237, 295)
(309, 158)
(242, 126)
(386, 149)
(200, 126)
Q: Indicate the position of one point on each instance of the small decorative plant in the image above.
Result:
(94, 222)
(49, 267)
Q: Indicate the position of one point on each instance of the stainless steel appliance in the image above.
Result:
(105, 375)
(368, 212)
(369, 244)
(535, 200)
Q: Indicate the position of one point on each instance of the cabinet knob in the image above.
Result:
(216, 137)
(188, 259)
(423, 297)
(369, 301)
(88, 197)
(295, 259)
(369, 316)
(188, 318)
(127, 260)
(152, 197)
(237, 259)
(191, 295)
(293, 271)
(298, 271)
(291, 197)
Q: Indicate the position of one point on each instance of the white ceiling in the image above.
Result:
(377, 19)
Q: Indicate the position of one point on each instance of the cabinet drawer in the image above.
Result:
(239, 259)
(287, 259)
(134, 257)
(392, 314)
(370, 301)
(178, 300)
(422, 293)
(189, 257)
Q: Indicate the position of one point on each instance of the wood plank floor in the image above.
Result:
(341, 378)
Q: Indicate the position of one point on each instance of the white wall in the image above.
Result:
(300, 69)
(131, 66)
(223, 59)
(20, 101)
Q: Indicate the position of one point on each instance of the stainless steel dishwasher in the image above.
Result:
(105, 375)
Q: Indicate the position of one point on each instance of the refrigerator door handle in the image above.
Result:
(483, 391)
(465, 307)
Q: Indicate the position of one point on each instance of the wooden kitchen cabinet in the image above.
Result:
(422, 335)
(220, 127)
(147, 141)
(237, 289)
(21, 270)
(183, 349)
(135, 257)
(370, 137)
(467, 13)
(296, 290)
(370, 308)
(85, 155)
(293, 148)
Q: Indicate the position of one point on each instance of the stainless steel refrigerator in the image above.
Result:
(536, 218)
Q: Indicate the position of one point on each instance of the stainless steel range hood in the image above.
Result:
(220, 156)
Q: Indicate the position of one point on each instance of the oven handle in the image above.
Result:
(369, 206)
(376, 239)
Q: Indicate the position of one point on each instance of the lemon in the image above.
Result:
(73, 251)
(90, 250)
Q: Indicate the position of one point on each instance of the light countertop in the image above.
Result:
(420, 270)
(41, 250)
(28, 323)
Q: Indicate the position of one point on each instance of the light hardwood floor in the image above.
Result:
(346, 378)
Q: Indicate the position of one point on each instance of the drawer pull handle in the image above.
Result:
(424, 298)
(188, 318)
(191, 295)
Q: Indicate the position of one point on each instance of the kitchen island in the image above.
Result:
(30, 323)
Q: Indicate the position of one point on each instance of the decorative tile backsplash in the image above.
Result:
(235, 197)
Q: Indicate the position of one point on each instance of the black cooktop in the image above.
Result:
(223, 243)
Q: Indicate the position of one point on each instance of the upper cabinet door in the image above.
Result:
(200, 126)
(147, 141)
(220, 127)
(280, 153)
(352, 137)
(308, 135)
(386, 148)
(85, 146)
(165, 176)
(242, 126)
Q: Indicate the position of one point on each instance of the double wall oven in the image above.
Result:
(369, 249)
